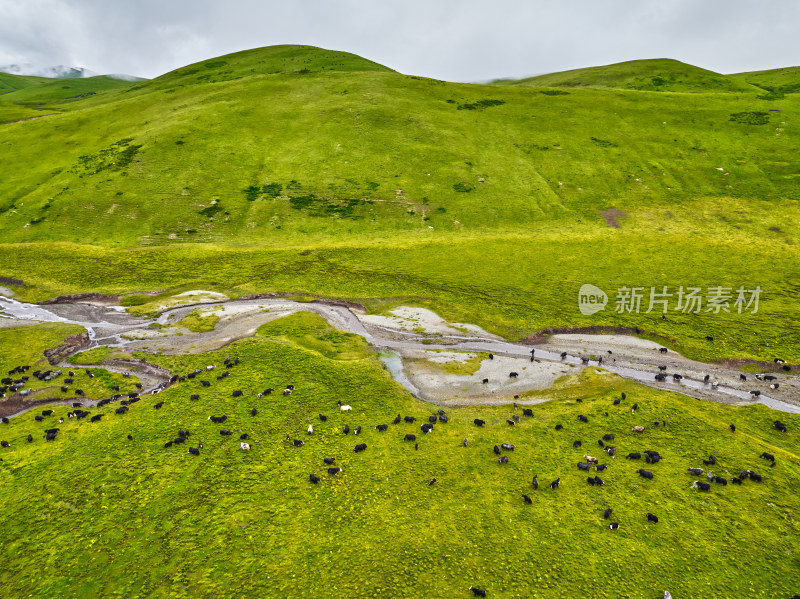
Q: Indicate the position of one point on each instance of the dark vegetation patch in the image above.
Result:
(272, 190)
(210, 211)
(252, 192)
(604, 143)
(334, 203)
(461, 188)
(81, 95)
(11, 282)
(215, 64)
(480, 104)
(554, 92)
(777, 92)
(750, 117)
(114, 158)
(530, 148)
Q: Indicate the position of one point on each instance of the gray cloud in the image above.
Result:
(455, 40)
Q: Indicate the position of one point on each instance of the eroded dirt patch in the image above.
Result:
(611, 215)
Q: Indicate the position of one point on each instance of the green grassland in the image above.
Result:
(296, 169)
(198, 322)
(316, 173)
(93, 514)
(514, 284)
(98, 355)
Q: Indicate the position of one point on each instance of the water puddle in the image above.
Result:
(394, 364)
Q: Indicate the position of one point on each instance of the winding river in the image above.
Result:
(107, 325)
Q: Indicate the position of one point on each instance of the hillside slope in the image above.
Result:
(778, 81)
(10, 83)
(246, 154)
(658, 74)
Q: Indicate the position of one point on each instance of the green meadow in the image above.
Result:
(94, 514)
(319, 174)
(302, 170)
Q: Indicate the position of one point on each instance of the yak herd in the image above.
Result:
(439, 417)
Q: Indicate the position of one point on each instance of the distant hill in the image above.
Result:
(11, 83)
(58, 90)
(272, 60)
(659, 74)
(777, 81)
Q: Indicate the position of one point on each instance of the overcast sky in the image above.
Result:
(454, 40)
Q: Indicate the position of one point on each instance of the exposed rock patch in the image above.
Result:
(70, 346)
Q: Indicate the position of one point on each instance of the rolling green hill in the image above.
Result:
(277, 152)
(658, 74)
(275, 157)
(776, 81)
(11, 83)
(94, 514)
(23, 97)
(58, 90)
